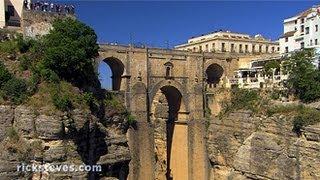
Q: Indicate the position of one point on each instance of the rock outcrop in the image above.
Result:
(243, 146)
(31, 137)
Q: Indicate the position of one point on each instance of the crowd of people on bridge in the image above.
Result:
(48, 7)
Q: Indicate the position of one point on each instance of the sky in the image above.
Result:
(169, 23)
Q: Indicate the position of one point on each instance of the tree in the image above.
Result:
(304, 78)
(270, 66)
(70, 49)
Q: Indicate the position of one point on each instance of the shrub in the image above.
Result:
(62, 103)
(283, 109)
(50, 76)
(131, 120)
(245, 99)
(305, 116)
(9, 47)
(25, 62)
(12, 134)
(23, 45)
(15, 90)
(5, 75)
(88, 98)
(112, 101)
(33, 84)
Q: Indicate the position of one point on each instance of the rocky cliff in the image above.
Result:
(31, 136)
(244, 146)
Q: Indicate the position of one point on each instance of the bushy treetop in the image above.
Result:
(69, 49)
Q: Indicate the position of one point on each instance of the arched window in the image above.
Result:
(168, 66)
(168, 71)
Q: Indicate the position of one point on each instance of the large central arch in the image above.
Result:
(170, 134)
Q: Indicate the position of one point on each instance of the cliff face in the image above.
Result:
(242, 146)
(33, 137)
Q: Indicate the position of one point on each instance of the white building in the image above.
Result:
(226, 41)
(301, 31)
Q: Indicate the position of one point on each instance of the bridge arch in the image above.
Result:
(214, 73)
(169, 119)
(117, 70)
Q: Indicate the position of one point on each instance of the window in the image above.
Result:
(223, 47)
(240, 48)
(10, 10)
(194, 49)
(272, 49)
(287, 39)
(260, 48)
(267, 48)
(213, 47)
(169, 67)
(307, 30)
(232, 48)
(207, 48)
(316, 27)
(295, 28)
(253, 48)
(296, 21)
(246, 48)
(302, 20)
(302, 45)
(316, 42)
(310, 42)
(287, 49)
(200, 48)
(168, 71)
(302, 28)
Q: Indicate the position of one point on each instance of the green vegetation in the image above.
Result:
(131, 120)
(5, 75)
(70, 47)
(304, 78)
(25, 62)
(11, 88)
(15, 90)
(12, 134)
(112, 101)
(8, 47)
(270, 66)
(242, 99)
(302, 115)
(52, 64)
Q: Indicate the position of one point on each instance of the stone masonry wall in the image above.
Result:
(37, 23)
(242, 146)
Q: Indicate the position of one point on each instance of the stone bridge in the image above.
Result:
(166, 90)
